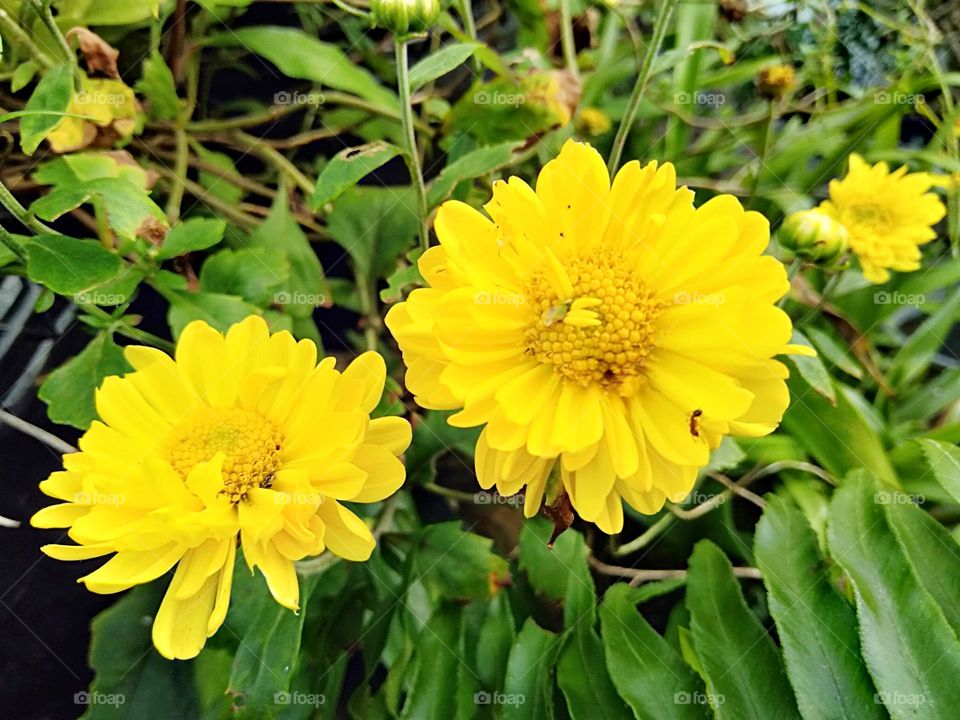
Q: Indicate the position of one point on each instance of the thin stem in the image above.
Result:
(566, 39)
(20, 212)
(641, 575)
(647, 537)
(20, 37)
(764, 152)
(643, 77)
(412, 154)
(46, 16)
(449, 492)
(12, 245)
(48, 439)
(270, 154)
(181, 163)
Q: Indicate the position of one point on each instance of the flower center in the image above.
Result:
(251, 445)
(603, 331)
(870, 214)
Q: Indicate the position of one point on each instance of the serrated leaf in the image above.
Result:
(529, 674)
(433, 690)
(218, 311)
(457, 565)
(299, 55)
(744, 671)
(255, 274)
(307, 287)
(561, 573)
(156, 84)
(52, 95)
(649, 674)
(437, 64)
(812, 369)
(131, 678)
(911, 652)
(128, 207)
(944, 462)
(407, 276)
(472, 165)
(69, 390)
(348, 167)
(583, 678)
(67, 265)
(191, 235)
(817, 627)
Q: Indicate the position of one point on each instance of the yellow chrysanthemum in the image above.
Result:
(887, 214)
(617, 330)
(243, 434)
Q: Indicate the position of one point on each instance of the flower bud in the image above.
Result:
(814, 235)
(405, 16)
(776, 81)
(593, 121)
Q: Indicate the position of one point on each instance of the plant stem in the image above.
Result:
(412, 154)
(764, 152)
(270, 154)
(46, 16)
(641, 575)
(181, 162)
(647, 537)
(566, 39)
(18, 34)
(20, 212)
(33, 431)
(643, 77)
(12, 245)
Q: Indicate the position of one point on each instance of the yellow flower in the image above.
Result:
(593, 121)
(614, 333)
(776, 81)
(243, 434)
(888, 216)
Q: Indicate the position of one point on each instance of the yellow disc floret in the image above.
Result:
(251, 446)
(604, 331)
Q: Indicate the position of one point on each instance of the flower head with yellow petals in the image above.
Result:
(604, 335)
(888, 215)
(240, 435)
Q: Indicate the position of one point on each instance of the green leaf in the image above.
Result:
(156, 84)
(128, 207)
(455, 564)
(839, 437)
(743, 669)
(932, 551)
(649, 674)
(23, 75)
(132, 679)
(817, 627)
(472, 165)
(529, 675)
(218, 311)
(269, 636)
(912, 653)
(375, 225)
(307, 288)
(944, 462)
(433, 689)
(298, 55)
(69, 266)
(583, 678)
(812, 369)
(52, 95)
(496, 637)
(405, 276)
(348, 167)
(561, 573)
(255, 274)
(190, 235)
(440, 63)
(834, 353)
(69, 390)
(914, 358)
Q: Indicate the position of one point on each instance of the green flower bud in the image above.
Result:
(402, 17)
(814, 235)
